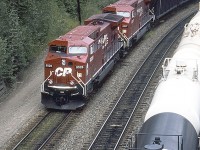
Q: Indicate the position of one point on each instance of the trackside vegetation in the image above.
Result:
(27, 26)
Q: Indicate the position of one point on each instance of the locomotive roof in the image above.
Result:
(124, 5)
(80, 33)
(104, 20)
(106, 17)
(125, 2)
(123, 8)
(131, 2)
(82, 30)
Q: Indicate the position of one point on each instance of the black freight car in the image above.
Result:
(162, 7)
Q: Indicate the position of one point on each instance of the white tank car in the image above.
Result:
(173, 119)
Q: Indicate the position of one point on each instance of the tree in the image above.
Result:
(15, 45)
(3, 59)
(27, 26)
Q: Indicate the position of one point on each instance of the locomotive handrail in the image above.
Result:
(123, 36)
(42, 86)
(84, 89)
(153, 15)
(80, 81)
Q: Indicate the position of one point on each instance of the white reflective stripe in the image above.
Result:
(63, 87)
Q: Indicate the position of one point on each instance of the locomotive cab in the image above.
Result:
(65, 73)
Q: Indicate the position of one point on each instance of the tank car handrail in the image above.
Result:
(179, 68)
(159, 134)
(153, 15)
(179, 139)
(164, 66)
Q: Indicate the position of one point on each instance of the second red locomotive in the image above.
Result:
(137, 18)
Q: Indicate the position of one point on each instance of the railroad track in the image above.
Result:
(113, 128)
(43, 131)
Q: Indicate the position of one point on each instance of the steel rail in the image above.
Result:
(30, 131)
(44, 140)
(54, 132)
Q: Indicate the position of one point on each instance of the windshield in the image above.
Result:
(58, 49)
(124, 14)
(77, 50)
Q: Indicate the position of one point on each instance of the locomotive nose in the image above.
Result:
(61, 89)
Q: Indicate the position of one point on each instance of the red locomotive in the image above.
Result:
(80, 59)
